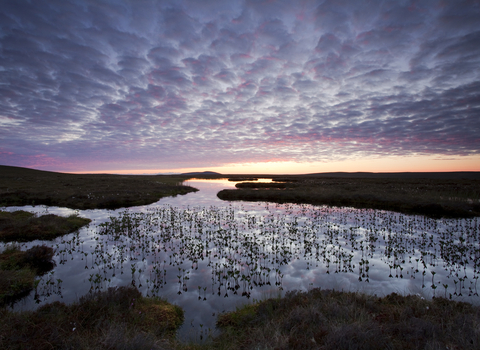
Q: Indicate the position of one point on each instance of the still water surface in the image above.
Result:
(209, 256)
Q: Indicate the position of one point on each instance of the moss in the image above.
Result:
(242, 317)
(160, 317)
(15, 284)
(19, 268)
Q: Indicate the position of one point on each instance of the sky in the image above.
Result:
(249, 86)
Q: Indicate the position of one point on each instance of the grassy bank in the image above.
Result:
(433, 197)
(21, 186)
(119, 318)
(18, 270)
(23, 226)
(324, 319)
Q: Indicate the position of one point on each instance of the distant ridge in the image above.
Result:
(201, 173)
(471, 175)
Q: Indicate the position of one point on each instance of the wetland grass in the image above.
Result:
(22, 226)
(120, 318)
(326, 319)
(21, 186)
(18, 270)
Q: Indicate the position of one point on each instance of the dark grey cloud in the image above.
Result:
(151, 84)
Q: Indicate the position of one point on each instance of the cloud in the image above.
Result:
(186, 83)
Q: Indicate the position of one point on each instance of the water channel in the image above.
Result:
(210, 256)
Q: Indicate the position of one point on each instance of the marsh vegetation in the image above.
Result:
(117, 318)
(23, 226)
(211, 259)
(430, 196)
(326, 319)
(18, 270)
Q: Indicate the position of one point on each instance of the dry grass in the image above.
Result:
(21, 186)
(22, 226)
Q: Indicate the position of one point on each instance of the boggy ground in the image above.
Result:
(431, 196)
(21, 186)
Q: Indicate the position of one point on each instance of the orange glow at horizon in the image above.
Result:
(384, 164)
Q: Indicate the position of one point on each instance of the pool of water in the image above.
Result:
(210, 256)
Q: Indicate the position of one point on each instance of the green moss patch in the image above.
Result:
(22, 226)
(19, 268)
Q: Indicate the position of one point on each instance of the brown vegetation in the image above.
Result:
(325, 319)
(120, 318)
(239, 178)
(21, 186)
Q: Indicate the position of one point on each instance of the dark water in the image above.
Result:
(209, 256)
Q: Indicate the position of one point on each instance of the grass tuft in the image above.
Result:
(19, 268)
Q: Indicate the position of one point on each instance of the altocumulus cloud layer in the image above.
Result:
(149, 84)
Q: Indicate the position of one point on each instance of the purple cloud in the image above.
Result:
(164, 84)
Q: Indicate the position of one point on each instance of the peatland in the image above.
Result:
(434, 195)
(121, 318)
(21, 186)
